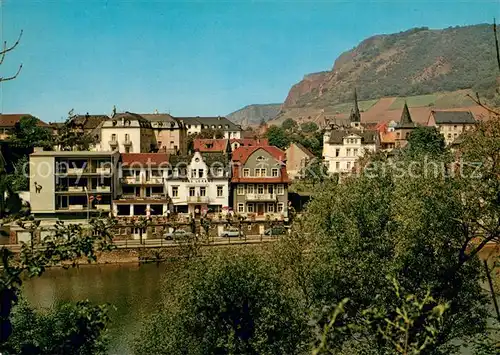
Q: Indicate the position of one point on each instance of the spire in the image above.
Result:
(355, 115)
(405, 116)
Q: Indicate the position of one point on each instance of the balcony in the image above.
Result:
(113, 143)
(103, 171)
(103, 189)
(261, 197)
(131, 180)
(197, 199)
(105, 208)
(75, 207)
(75, 171)
(154, 180)
(127, 142)
(76, 189)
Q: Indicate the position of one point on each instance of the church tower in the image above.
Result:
(355, 116)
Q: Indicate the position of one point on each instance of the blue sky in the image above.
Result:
(192, 57)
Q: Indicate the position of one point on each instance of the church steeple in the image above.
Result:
(405, 117)
(355, 115)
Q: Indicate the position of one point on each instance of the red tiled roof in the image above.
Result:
(241, 154)
(144, 159)
(387, 137)
(210, 145)
(250, 141)
(10, 119)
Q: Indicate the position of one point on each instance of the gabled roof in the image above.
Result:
(87, 122)
(211, 145)
(451, 117)
(162, 120)
(144, 159)
(304, 149)
(242, 154)
(10, 119)
(219, 159)
(367, 136)
(387, 137)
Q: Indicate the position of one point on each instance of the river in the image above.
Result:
(134, 291)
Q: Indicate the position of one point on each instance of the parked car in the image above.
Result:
(230, 232)
(278, 230)
(179, 233)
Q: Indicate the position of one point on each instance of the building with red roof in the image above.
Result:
(260, 182)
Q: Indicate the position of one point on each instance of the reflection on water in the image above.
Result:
(134, 291)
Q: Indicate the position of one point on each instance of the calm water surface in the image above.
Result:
(135, 292)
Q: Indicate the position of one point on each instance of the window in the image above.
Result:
(200, 173)
(127, 149)
(113, 137)
(455, 127)
(127, 137)
(240, 190)
(263, 172)
(219, 172)
(250, 189)
(348, 152)
(220, 191)
(175, 191)
(348, 165)
(274, 172)
(337, 152)
(280, 189)
(257, 172)
(241, 208)
(449, 135)
(191, 191)
(260, 189)
(270, 189)
(250, 208)
(203, 191)
(246, 172)
(337, 165)
(193, 173)
(175, 173)
(281, 207)
(159, 144)
(355, 152)
(270, 208)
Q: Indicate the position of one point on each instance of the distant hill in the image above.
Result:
(253, 114)
(419, 61)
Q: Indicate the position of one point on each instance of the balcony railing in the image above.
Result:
(103, 171)
(260, 197)
(197, 199)
(113, 143)
(75, 207)
(106, 208)
(154, 180)
(103, 188)
(131, 180)
(75, 171)
(75, 189)
(127, 142)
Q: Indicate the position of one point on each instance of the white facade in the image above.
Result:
(199, 188)
(341, 155)
(127, 135)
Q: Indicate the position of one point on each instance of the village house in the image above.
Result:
(451, 123)
(128, 133)
(8, 124)
(198, 124)
(344, 144)
(260, 183)
(199, 183)
(142, 189)
(226, 145)
(170, 132)
(72, 183)
(297, 159)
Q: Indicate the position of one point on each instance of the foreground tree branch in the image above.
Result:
(6, 50)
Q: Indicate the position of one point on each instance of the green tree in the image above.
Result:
(309, 127)
(69, 138)
(231, 304)
(69, 328)
(66, 245)
(288, 124)
(425, 140)
(28, 134)
(277, 137)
